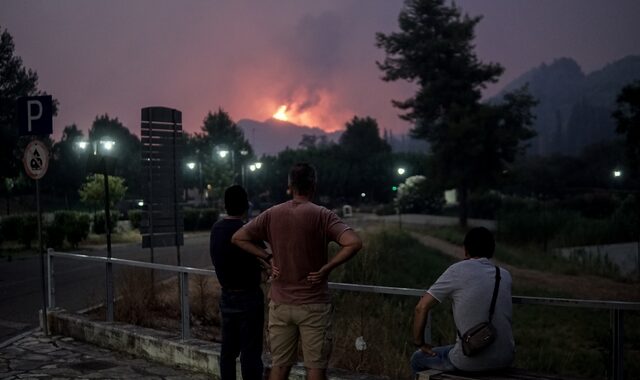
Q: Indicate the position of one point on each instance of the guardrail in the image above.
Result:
(616, 309)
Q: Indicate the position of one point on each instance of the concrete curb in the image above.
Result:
(158, 346)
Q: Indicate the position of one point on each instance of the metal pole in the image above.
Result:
(42, 270)
(617, 352)
(243, 181)
(50, 274)
(184, 305)
(109, 267)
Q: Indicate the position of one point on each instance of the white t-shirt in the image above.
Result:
(469, 284)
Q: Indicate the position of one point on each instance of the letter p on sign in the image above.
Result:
(35, 115)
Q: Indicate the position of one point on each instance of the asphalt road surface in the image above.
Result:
(78, 284)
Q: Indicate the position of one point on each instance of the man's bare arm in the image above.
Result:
(242, 239)
(426, 303)
(350, 243)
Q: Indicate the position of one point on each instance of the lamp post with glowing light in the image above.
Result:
(101, 151)
(401, 172)
(191, 165)
(223, 153)
(252, 167)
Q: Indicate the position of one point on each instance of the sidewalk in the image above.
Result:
(35, 356)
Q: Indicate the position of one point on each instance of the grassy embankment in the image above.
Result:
(549, 339)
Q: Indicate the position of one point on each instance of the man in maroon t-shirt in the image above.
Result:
(300, 308)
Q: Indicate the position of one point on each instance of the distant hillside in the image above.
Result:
(272, 136)
(574, 108)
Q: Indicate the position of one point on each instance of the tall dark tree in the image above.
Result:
(126, 150)
(15, 81)
(435, 50)
(366, 160)
(67, 168)
(627, 115)
(220, 132)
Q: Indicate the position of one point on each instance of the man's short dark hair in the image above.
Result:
(302, 178)
(479, 242)
(235, 200)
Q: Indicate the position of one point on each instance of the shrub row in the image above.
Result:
(69, 225)
(521, 221)
(195, 219)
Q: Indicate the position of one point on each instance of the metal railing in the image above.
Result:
(616, 308)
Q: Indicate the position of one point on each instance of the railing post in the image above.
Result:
(109, 285)
(617, 351)
(184, 305)
(51, 299)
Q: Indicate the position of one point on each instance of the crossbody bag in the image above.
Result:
(483, 334)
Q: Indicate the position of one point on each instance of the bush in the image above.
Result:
(484, 206)
(77, 229)
(592, 205)
(191, 216)
(99, 222)
(198, 219)
(54, 236)
(530, 221)
(418, 195)
(11, 226)
(28, 229)
(135, 216)
(208, 216)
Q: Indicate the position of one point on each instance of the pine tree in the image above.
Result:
(470, 142)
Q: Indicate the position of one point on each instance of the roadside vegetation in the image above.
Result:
(564, 341)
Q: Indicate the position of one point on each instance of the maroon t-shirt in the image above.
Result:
(299, 233)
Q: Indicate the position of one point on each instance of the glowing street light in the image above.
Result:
(102, 154)
(191, 165)
(617, 173)
(401, 171)
(255, 166)
(223, 153)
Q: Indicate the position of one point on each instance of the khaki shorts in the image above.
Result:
(309, 324)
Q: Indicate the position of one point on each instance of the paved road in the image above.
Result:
(78, 284)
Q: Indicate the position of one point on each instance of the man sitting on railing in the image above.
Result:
(481, 294)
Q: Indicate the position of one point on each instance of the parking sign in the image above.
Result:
(35, 115)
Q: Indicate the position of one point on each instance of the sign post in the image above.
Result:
(35, 117)
(36, 163)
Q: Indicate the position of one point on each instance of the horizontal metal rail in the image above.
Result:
(521, 300)
(616, 308)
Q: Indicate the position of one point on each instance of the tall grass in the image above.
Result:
(565, 341)
(390, 258)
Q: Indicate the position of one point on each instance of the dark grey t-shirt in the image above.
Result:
(469, 284)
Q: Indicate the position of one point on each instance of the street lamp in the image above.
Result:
(224, 152)
(401, 171)
(617, 173)
(102, 154)
(191, 165)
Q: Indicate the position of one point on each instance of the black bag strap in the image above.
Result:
(496, 287)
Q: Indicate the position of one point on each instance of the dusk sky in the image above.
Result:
(250, 57)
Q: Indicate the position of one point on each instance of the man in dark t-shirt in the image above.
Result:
(242, 300)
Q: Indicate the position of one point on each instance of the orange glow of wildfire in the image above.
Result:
(281, 114)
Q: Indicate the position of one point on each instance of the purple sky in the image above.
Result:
(249, 57)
